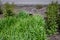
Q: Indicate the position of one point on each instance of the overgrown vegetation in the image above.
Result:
(19, 28)
(8, 9)
(23, 14)
(28, 27)
(58, 22)
(52, 12)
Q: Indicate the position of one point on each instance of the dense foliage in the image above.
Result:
(58, 19)
(58, 22)
(24, 26)
(52, 12)
(8, 9)
(19, 28)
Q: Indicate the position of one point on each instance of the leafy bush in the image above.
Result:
(52, 11)
(23, 28)
(8, 9)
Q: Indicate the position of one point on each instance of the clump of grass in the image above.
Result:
(23, 14)
(23, 28)
(6, 22)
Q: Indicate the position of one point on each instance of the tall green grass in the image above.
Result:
(19, 28)
(6, 22)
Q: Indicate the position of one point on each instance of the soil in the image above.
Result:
(54, 37)
(31, 10)
(1, 15)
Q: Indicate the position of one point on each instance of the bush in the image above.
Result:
(52, 12)
(23, 28)
(8, 9)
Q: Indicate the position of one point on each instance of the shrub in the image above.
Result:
(8, 9)
(23, 29)
(52, 11)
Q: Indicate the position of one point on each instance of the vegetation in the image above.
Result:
(58, 17)
(58, 22)
(23, 14)
(8, 9)
(19, 28)
(24, 26)
(52, 12)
